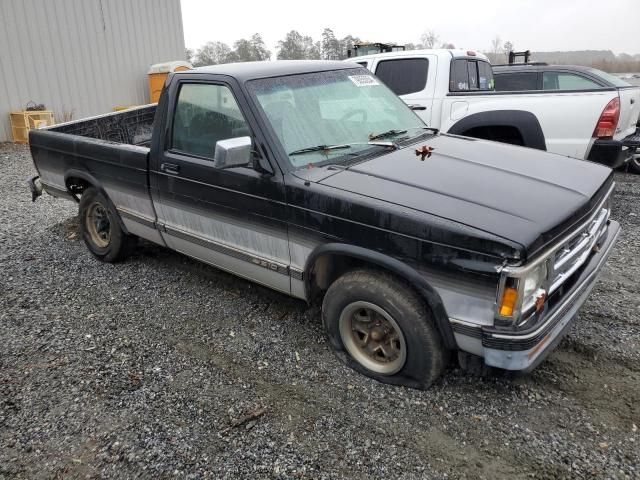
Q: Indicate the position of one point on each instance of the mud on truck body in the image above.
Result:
(314, 179)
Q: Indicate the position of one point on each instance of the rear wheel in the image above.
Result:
(100, 228)
(379, 326)
(634, 163)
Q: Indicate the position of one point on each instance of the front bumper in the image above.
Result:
(524, 350)
(614, 153)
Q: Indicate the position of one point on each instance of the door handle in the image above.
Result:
(417, 107)
(170, 168)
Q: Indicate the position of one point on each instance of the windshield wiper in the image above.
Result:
(388, 133)
(320, 148)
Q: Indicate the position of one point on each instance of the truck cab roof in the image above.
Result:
(244, 71)
(440, 52)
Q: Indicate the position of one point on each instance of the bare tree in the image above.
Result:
(508, 47)
(428, 39)
(496, 45)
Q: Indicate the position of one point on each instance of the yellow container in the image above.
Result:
(158, 74)
(23, 121)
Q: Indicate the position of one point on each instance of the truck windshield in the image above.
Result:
(332, 108)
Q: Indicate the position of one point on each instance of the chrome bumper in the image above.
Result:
(526, 349)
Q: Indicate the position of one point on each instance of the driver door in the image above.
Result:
(231, 218)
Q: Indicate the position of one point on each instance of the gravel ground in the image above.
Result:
(162, 367)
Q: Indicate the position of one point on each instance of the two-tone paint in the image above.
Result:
(448, 225)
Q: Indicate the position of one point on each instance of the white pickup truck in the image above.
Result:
(453, 90)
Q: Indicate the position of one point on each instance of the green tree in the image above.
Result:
(213, 53)
(188, 55)
(330, 46)
(346, 44)
(296, 46)
(251, 50)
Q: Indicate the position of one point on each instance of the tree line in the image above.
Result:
(294, 46)
(297, 46)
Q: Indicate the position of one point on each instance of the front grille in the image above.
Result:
(573, 253)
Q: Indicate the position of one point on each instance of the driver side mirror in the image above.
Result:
(233, 152)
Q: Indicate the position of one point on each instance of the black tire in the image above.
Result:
(634, 163)
(116, 245)
(425, 357)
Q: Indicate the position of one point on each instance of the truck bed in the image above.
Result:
(132, 126)
(109, 150)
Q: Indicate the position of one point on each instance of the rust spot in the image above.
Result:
(540, 302)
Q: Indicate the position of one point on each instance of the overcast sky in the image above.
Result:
(541, 25)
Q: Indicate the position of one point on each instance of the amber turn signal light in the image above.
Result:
(508, 304)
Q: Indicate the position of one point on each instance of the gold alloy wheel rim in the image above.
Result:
(373, 338)
(98, 225)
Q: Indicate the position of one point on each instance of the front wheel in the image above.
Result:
(100, 228)
(380, 327)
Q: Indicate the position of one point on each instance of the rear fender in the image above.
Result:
(94, 182)
(526, 123)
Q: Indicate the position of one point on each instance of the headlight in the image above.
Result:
(533, 286)
(522, 293)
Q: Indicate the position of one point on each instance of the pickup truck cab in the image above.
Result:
(453, 90)
(314, 179)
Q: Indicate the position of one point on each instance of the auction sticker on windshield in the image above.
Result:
(363, 80)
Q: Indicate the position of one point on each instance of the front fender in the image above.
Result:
(402, 270)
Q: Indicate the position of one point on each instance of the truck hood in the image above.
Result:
(523, 195)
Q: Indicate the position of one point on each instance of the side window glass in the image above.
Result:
(485, 76)
(459, 77)
(566, 81)
(473, 75)
(516, 81)
(204, 115)
(404, 76)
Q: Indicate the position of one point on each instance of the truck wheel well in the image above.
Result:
(76, 186)
(328, 267)
(497, 133)
(508, 126)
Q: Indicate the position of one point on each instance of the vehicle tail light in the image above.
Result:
(608, 121)
(508, 304)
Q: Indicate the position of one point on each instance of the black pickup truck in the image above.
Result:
(314, 179)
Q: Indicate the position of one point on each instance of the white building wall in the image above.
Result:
(83, 57)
